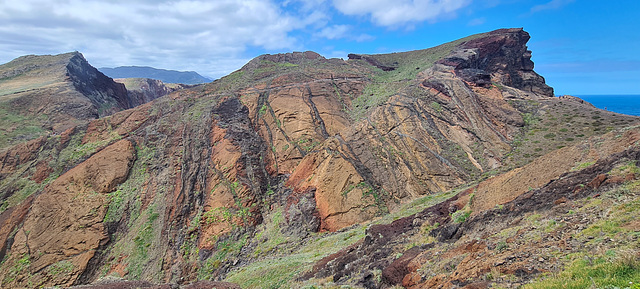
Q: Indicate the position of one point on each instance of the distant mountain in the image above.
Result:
(166, 76)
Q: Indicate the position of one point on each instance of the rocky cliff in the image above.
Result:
(400, 169)
(143, 90)
(41, 94)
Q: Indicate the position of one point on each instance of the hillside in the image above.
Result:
(145, 89)
(449, 167)
(41, 94)
(164, 75)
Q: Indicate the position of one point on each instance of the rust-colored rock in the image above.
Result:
(19, 154)
(597, 181)
(42, 172)
(342, 196)
(64, 226)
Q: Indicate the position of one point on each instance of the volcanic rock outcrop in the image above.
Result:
(292, 170)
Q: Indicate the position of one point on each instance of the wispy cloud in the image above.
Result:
(207, 36)
(335, 32)
(477, 21)
(343, 32)
(400, 12)
(552, 5)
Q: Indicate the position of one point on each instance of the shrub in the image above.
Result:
(460, 216)
(501, 246)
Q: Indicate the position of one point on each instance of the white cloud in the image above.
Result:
(335, 32)
(477, 21)
(400, 12)
(207, 36)
(343, 32)
(552, 5)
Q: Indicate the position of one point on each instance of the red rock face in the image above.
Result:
(502, 57)
(198, 182)
(64, 223)
(18, 155)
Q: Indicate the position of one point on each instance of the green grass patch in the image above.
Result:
(271, 273)
(63, 267)
(619, 216)
(280, 271)
(407, 66)
(583, 165)
(19, 268)
(16, 128)
(142, 243)
(599, 272)
(27, 188)
(270, 237)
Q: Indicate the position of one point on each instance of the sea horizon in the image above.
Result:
(620, 103)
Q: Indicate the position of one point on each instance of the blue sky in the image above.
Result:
(579, 46)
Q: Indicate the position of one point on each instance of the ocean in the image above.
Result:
(625, 104)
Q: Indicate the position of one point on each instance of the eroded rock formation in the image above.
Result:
(293, 148)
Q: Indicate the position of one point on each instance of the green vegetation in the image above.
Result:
(613, 225)
(280, 269)
(529, 119)
(460, 216)
(218, 215)
(61, 268)
(407, 66)
(263, 109)
(436, 106)
(501, 246)
(551, 124)
(141, 245)
(77, 151)
(307, 144)
(628, 168)
(136, 246)
(583, 165)
(18, 268)
(594, 272)
(224, 250)
(270, 236)
(271, 273)
(126, 195)
(16, 128)
(27, 188)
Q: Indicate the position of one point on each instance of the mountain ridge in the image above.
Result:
(164, 75)
(451, 166)
(51, 93)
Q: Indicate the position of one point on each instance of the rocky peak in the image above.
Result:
(499, 56)
(100, 89)
(295, 58)
(54, 93)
